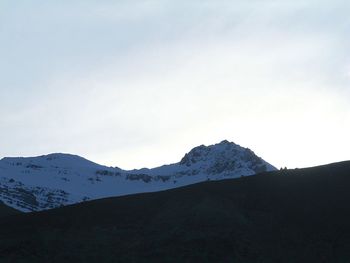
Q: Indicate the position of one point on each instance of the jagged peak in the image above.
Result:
(226, 142)
(202, 152)
(225, 155)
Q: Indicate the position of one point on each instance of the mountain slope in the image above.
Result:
(285, 216)
(6, 210)
(49, 181)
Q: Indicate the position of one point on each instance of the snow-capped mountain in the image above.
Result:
(49, 181)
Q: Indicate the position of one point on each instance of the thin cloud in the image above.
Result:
(138, 83)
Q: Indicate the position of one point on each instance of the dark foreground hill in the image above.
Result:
(286, 216)
(7, 211)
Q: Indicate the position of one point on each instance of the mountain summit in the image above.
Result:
(49, 181)
(225, 157)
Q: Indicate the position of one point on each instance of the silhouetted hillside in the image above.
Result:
(6, 210)
(298, 215)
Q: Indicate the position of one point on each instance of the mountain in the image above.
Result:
(6, 210)
(300, 215)
(54, 180)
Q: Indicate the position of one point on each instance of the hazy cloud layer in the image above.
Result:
(138, 83)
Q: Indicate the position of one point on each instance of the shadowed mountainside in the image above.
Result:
(300, 215)
(6, 210)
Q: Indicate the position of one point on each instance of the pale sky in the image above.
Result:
(139, 83)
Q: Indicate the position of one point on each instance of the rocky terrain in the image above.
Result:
(54, 180)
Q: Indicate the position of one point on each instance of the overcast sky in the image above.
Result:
(139, 83)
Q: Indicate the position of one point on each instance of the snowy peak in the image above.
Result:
(61, 160)
(225, 157)
(204, 153)
(49, 181)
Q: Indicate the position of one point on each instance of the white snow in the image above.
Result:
(44, 182)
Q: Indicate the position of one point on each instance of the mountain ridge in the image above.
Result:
(299, 215)
(53, 180)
